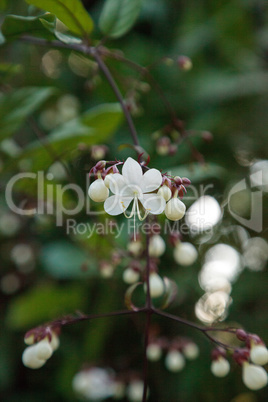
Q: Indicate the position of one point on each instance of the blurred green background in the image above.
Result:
(50, 91)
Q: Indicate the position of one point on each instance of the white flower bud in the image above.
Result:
(157, 286)
(259, 354)
(165, 192)
(254, 377)
(119, 390)
(220, 367)
(185, 254)
(108, 180)
(29, 340)
(174, 361)
(191, 351)
(135, 391)
(175, 209)
(97, 191)
(55, 342)
(30, 359)
(130, 276)
(153, 352)
(135, 247)
(157, 246)
(44, 349)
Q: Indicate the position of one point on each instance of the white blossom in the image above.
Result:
(133, 185)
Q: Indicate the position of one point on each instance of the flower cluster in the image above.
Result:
(250, 358)
(177, 350)
(151, 192)
(42, 343)
(97, 383)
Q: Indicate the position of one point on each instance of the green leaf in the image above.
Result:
(42, 303)
(16, 106)
(64, 260)
(15, 25)
(71, 12)
(94, 126)
(118, 16)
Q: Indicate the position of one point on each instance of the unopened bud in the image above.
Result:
(184, 63)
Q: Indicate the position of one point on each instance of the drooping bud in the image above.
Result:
(157, 246)
(259, 354)
(153, 352)
(175, 209)
(220, 367)
(191, 351)
(130, 276)
(97, 191)
(174, 361)
(254, 377)
(165, 192)
(157, 286)
(184, 63)
(185, 254)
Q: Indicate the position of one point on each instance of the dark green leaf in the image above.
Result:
(16, 106)
(71, 12)
(15, 25)
(94, 126)
(118, 16)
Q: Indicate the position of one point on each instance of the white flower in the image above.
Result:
(133, 185)
(220, 367)
(36, 355)
(174, 361)
(157, 246)
(254, 377)
(259, 354)
(185, 254)
(94, 384)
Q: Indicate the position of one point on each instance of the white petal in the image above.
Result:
(116, 205)
(154, 203)
(151, 180)
(132, 171)
(118, 185)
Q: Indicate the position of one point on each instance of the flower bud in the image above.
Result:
(30, 359)
(254, 377)
(43, 349)
(130, 276)
(241, 334)
(157, 246)
(184, 63)
(185, 254)
(135, 247)
(259, 354)
(135, 391)
(165, 192)
(191, 351)
(174, 361)
(220, 367)
(153, 352)
(157, 286)
(97, 191)
(175, 209)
